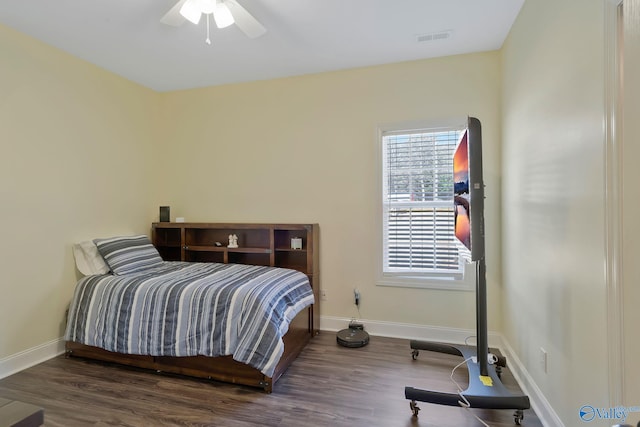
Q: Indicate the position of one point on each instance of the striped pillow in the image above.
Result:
(128, 254)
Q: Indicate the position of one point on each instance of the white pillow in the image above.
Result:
(88, 259)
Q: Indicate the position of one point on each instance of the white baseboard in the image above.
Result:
(30, 357)
(410, 331)
(539, 403)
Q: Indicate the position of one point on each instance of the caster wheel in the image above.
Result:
(499, 371)
(518, 416)
(414, 408)
(414, 354)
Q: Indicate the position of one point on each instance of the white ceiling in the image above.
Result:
(303, 36)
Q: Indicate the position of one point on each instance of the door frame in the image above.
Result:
(613, 198)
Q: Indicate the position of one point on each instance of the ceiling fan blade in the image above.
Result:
(173, 17)
(244, 20)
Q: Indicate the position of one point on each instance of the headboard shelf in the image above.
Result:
(258, 244)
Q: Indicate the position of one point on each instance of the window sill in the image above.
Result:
(451, 282)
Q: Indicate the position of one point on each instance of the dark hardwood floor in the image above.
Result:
(327, 385)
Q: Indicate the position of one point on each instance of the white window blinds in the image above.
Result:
(418, 219)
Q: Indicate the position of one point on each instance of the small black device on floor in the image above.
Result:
(353, 337)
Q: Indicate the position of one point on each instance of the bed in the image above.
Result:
(235, 323)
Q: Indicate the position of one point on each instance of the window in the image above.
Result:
(418, 241)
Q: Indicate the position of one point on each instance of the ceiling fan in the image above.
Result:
(224, 13)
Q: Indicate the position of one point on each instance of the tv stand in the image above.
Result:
(484, 391)
(485, 388)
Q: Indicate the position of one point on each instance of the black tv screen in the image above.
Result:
(469, 190)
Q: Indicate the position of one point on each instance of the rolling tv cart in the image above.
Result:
(485, 389)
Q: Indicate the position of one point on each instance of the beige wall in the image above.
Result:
(553, 199)
(76, 163)
(303, 149)
(88, 154)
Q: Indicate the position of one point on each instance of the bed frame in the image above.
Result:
(270, 245)
(222, 368)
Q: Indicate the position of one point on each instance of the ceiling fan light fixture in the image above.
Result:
(191, 11)
(207, 6)
(222, 15)
(224, 12)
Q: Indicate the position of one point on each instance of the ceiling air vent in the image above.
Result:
(432, 37)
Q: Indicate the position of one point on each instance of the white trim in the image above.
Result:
(30, 357)
(458, 280)
(443, 123)
(613, 204)
(465, 282)
(539, 402)
(409, 330)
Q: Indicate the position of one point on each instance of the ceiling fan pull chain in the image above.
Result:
(208, 40)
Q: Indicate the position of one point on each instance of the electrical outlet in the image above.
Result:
(356, 297)
(323, 295)
(544, 359)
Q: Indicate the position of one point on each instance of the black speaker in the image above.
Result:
(164, 214)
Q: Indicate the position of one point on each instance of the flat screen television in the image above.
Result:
(469, 221)
(469, 190)
(485, 388)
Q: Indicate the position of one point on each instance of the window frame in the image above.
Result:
(462, 279)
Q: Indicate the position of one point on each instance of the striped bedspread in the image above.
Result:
(190, 309)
